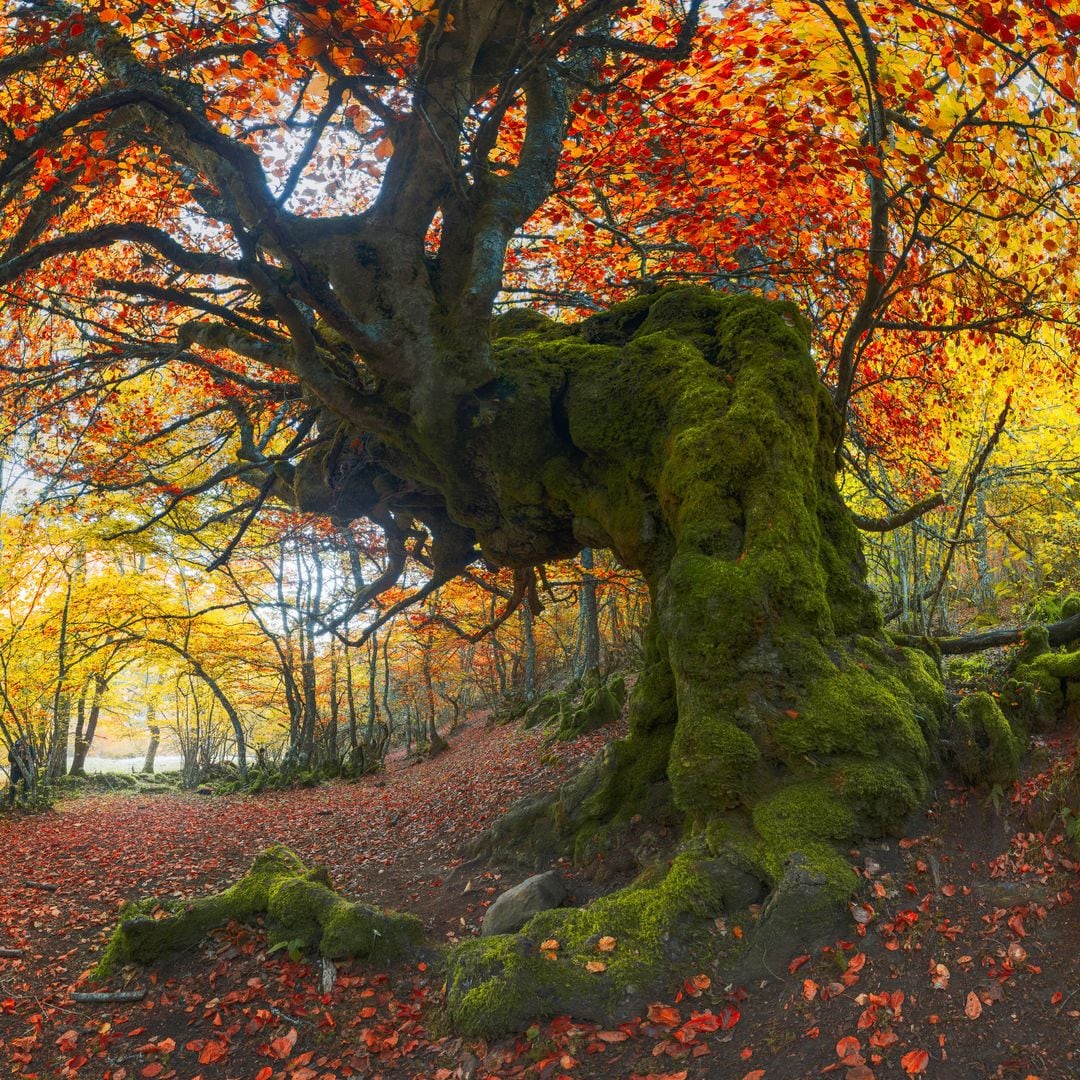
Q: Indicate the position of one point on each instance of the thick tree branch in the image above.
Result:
(901, 517)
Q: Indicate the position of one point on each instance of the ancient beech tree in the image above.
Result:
(253, 249)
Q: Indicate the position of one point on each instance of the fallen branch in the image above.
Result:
(1060, 633)
(11, 954)
(100, 996)
(43, 885)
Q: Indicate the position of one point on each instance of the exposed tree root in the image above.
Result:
(301, 909)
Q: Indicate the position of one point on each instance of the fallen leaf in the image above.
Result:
(915, 1062)
(663, 1014)
(973, 1006)
(606, 944)
(595, 965)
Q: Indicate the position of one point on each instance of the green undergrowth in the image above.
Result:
(577, 709)
(116, 782)
(301, 908)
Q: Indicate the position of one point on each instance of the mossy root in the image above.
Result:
(301, 909)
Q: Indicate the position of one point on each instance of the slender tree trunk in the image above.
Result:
(84, 740)
(332, 753)
(590, 623)
(372, 702)
(61, 725)
(350, 702)
(155, 739)
(529, 634)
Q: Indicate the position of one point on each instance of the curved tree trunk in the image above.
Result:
(689, 433)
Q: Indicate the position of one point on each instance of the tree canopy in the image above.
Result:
(244, 250)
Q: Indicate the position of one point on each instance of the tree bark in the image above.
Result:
(590, 618)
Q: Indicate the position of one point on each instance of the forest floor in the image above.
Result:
(962, 960)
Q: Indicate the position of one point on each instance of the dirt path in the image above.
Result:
(963, 946)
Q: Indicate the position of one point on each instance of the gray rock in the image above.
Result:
(518, 905)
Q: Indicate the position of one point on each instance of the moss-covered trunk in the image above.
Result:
(689, 433)
(773, 723)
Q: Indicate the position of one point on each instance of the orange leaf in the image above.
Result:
(606, 944)
(973, 1006)
(754, 1074)
(664, 1014)
(809, 989)
(797, 963)
(915, 1062)
(596, 965)
(847, 1046)
(213, 1051)
(308, 47)
(883, 1039)
(264, 1073)
(155, 1068)
(550, 945)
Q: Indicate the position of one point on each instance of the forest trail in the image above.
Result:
(974, 900)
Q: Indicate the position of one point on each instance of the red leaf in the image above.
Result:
(915, 1062)
(211, 1052)
(663, 1014)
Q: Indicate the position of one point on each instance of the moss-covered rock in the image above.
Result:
(983, 748)
(1044, 688)
(301, 908)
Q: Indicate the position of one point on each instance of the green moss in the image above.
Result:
(519, 321)
(1070, 606)
(301, 908)
(692, 436)
(1042, 688)
(982, 745)
(1056, 665)
(500, 984)
(632, 781)
(1036, 642)
(599, 705)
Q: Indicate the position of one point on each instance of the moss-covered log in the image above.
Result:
(301, 909)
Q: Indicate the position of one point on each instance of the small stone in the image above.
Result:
(518, 905)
